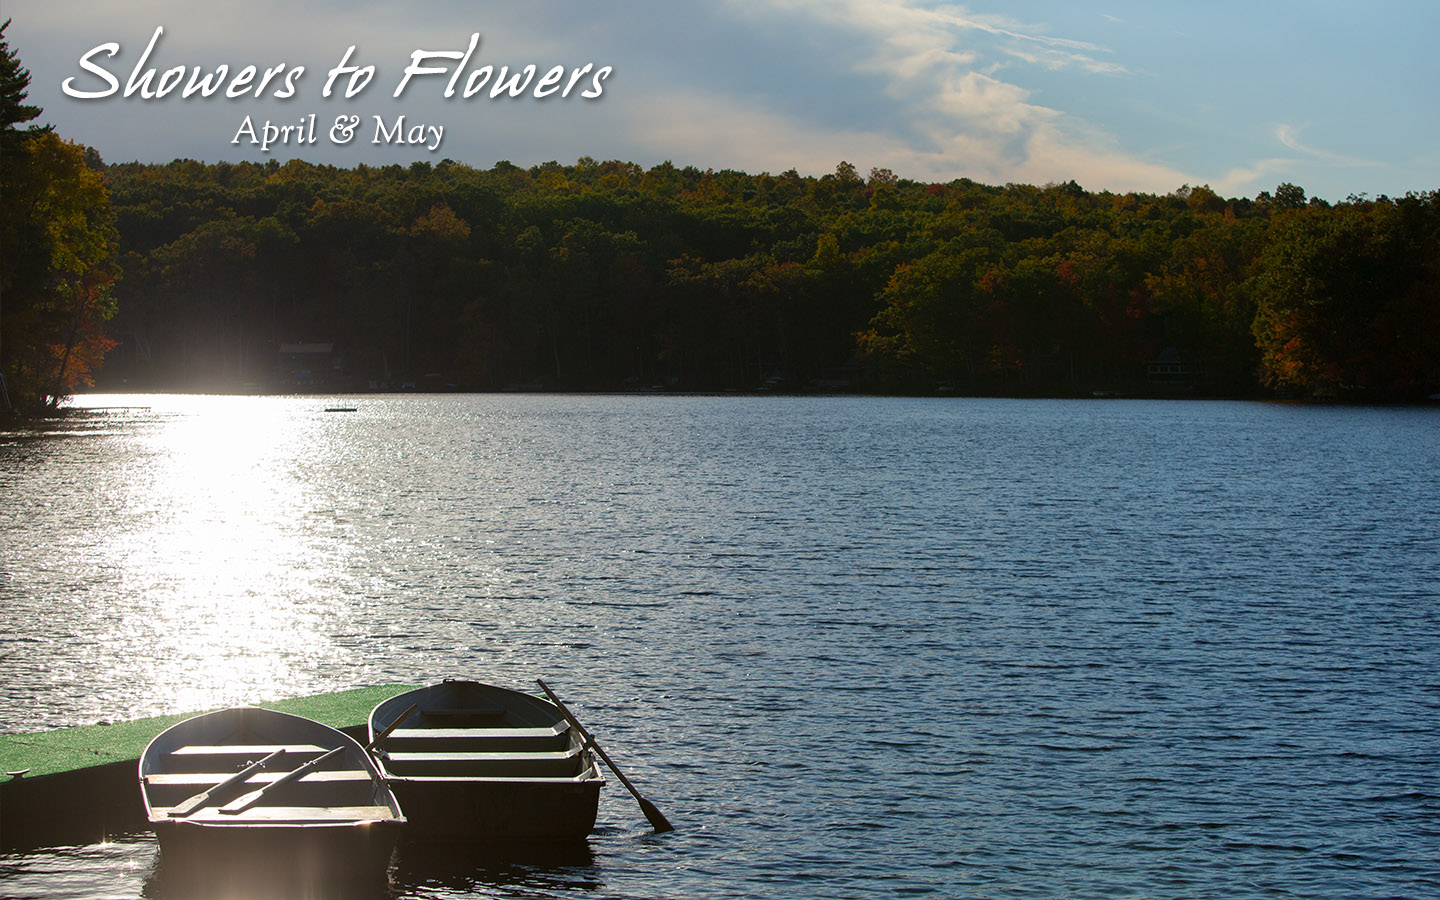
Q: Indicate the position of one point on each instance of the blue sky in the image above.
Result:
(1149, 95)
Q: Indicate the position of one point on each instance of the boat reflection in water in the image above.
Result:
(514, 868)
(258, 878)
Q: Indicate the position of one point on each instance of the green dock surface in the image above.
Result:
(70, 749)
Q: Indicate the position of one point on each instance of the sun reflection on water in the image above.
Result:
(217, 534)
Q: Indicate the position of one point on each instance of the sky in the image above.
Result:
(1340, 98)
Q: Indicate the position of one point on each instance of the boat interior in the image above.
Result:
(335, 789)
(473, 743)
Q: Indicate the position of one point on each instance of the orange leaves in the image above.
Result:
(441, 224)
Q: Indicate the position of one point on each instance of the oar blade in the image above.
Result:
(241, 803)
(657, 818)
(189, 806)
(653, 814)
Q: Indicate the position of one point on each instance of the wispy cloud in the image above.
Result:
(1055, 59)
(1303, 160)
(1289, 135)
(1266, 172)
(907, 30)
(1244, 180)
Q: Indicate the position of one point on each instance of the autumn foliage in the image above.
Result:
(57, 255)
(610, 276)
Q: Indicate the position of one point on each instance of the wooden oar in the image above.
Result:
(200, 799)
(657, 819)
(245, 801)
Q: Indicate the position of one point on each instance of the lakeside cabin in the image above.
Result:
(307, 365)
(1171, 368)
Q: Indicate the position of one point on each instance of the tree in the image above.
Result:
(932, 318)
(57, 253)
(601, 275)
(59, 257)
(14, 112)
(1289, 196)
(1200, 294)
(224, 284)
(1348, 300)
(14, 87)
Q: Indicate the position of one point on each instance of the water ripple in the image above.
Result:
(853, 648)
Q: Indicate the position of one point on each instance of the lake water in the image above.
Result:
(852, 647)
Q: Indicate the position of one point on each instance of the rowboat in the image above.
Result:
(247, 785)
(475, 761)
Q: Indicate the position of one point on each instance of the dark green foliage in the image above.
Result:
(604, 275)
(1350, 299)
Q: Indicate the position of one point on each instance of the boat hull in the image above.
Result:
(247, 792)
(473, 810)
(327, 856)
(478, 762)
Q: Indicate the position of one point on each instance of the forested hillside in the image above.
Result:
(608, 276)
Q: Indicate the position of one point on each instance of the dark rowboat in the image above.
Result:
(474, 762)
(246, 785)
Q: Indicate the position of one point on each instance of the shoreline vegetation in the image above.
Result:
(296, 277)
(605, 276)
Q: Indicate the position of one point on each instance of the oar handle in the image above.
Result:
(657, 819)
(391, 727)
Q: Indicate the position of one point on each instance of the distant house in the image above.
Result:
(1170, 368)
(307, 365)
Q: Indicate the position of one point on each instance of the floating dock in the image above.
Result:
(82, 784)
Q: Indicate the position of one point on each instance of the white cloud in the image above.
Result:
(711, 130)
(941, 65)
(1054, 59)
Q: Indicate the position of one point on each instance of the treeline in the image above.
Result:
(608, 276)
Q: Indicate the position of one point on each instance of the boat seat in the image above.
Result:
(544, 764)
(256, 750)
(586, 775)
(205, 779)
(463, 712)
(430, 740)
(302, 814)
(322, 787)
(231, 757)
